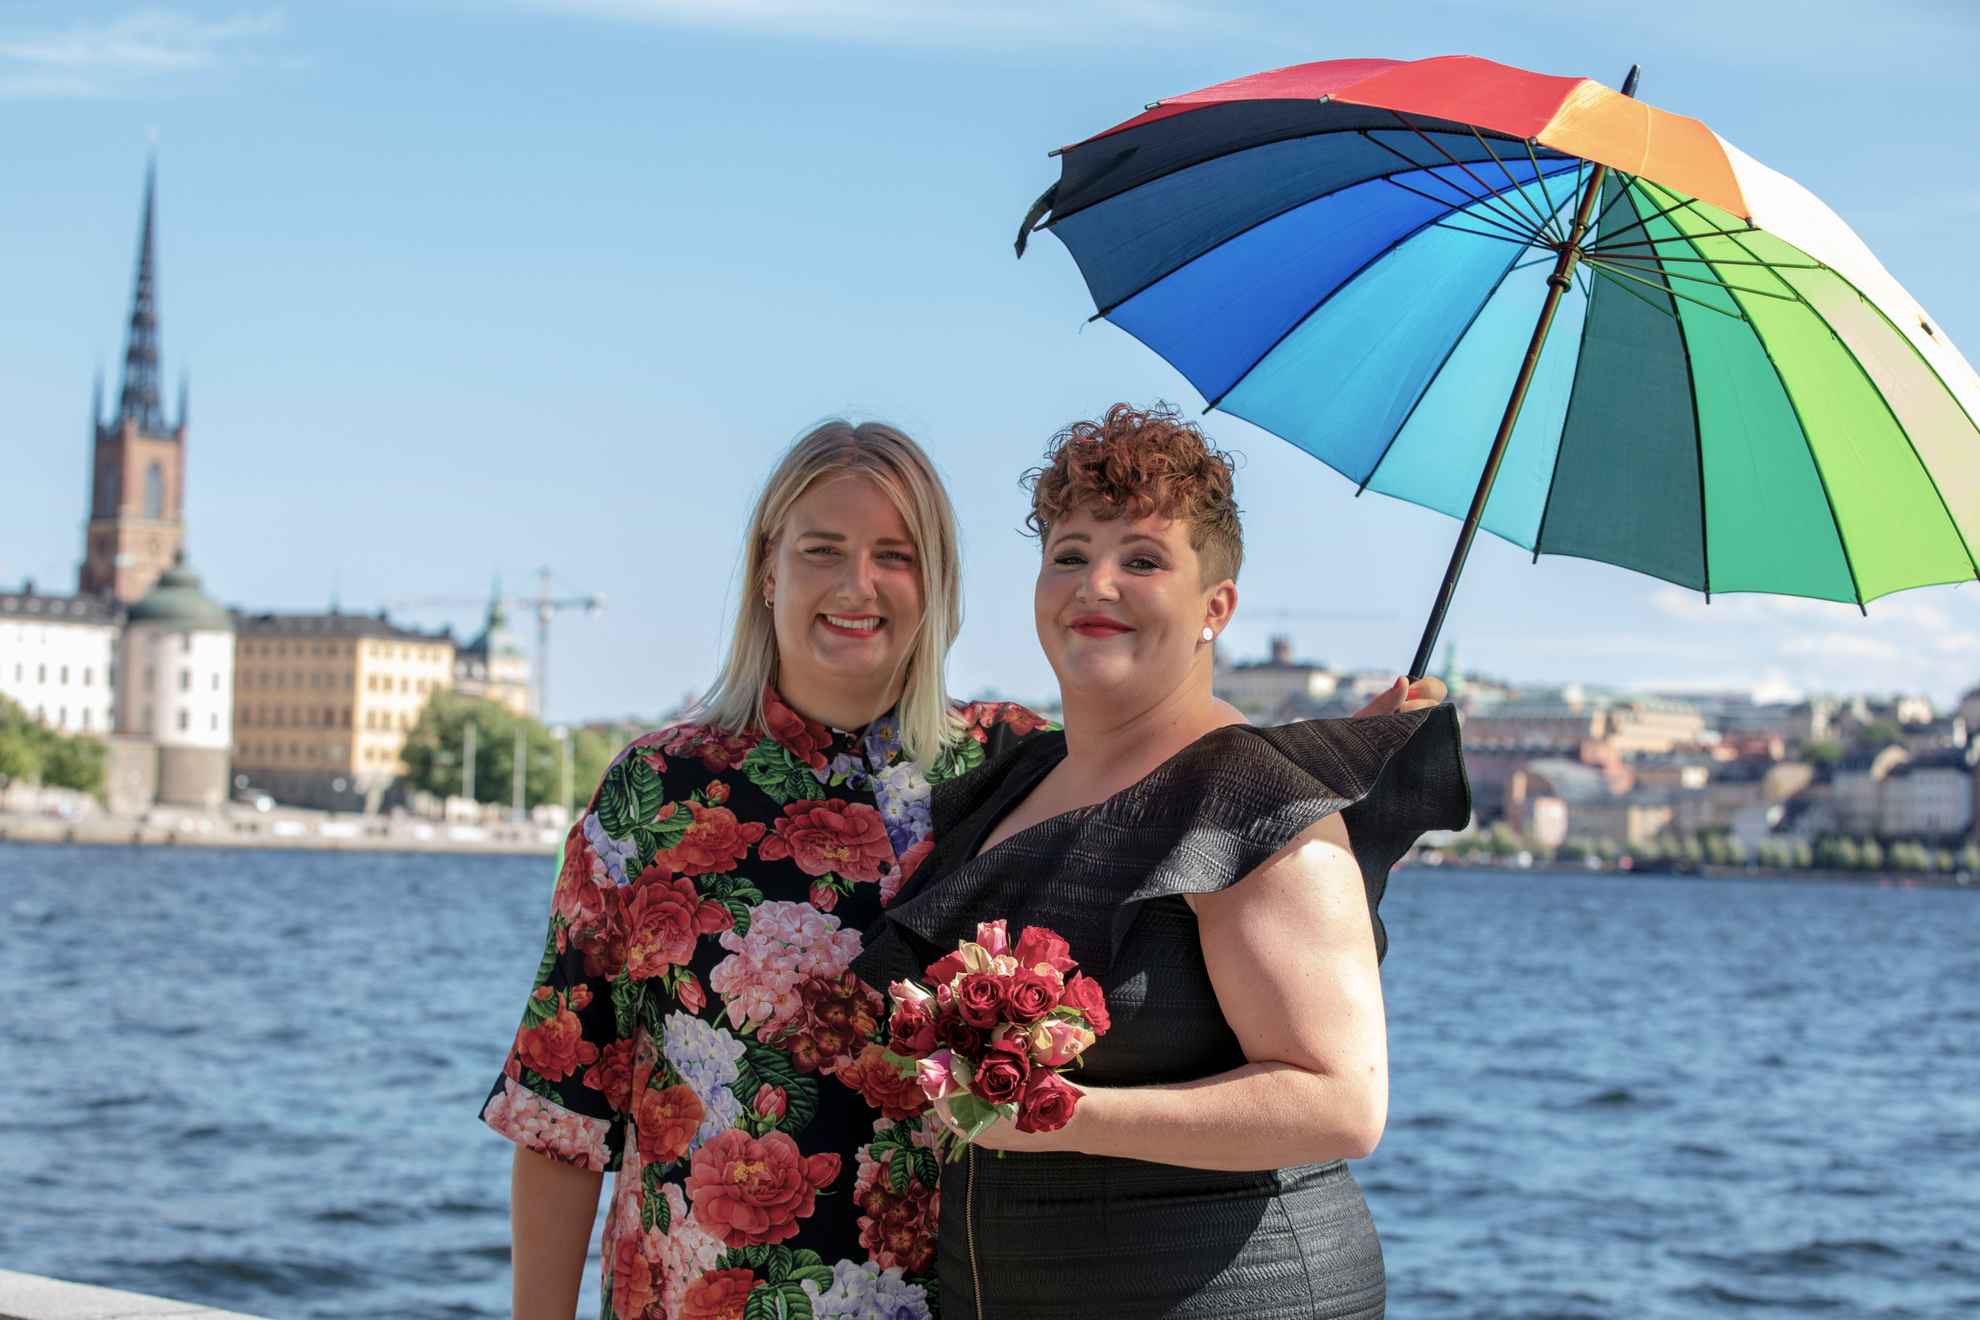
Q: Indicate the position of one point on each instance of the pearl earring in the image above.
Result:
(1208, 635)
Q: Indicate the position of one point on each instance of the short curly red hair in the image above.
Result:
(1136, 463)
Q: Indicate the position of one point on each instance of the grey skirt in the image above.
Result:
(1038, 1237)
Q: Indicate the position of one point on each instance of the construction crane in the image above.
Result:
(544, 605)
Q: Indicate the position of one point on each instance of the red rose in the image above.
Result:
(1039, 945)
(772, 1102)
(823, 896)
(1084, 994)
(803, 738)
(1001, 1072)
(832, 836)
(713, 844)
(1048, 1103)
(958, 1035)
(554, 1049)
(1029, 997)
(580, 997)
(718, 750)
(755, 1189)
(666, 1121)
(636, 1281)
(882, 1086)
(911, 1034)
(612, 1074)
(689, 994)
(980, 999)
(911, 860)
(944, 970)
(716, 1295)
(665, 919)
(717, 793)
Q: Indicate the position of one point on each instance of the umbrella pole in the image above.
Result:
(1557, 284)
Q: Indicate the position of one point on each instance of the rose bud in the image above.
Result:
(980, 1000)
(717, 794)
(690, 993)
(1047, 1104)
(1056, 1043)
(937, 1076)
(580, 997)
(1039, 945)
(1029, 997)
(994, 936)
(912, 1032)
(1001, 1072)
(907, 992)
(823, 896)
(542, 992)
(771, 1101)
(1084, 994)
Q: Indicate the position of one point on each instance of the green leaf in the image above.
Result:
(897, 1172)
(927, 1169)
(772, 768)
(820, 1275)
(536, 1011)
(617, 803)
(654, 1212)
(962, 755)
(626, 999)
(738, 914)
(762, 1304)
(761, 1064)
(653, 1014)
(778, 1267)
(549, 963)
(797, 1306)
(669, 832)
(534, 1082)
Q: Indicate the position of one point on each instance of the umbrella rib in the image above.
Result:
(1648, 301)
(1621, 194)
(1641, 221)
(1505, 216)
(1654, 243)
(1612, 272)
(1438, 147)
(1545, 191)
(1483, 217)
(1618, 255)
(1694, 279)
(1485, 233)
(1513, 183)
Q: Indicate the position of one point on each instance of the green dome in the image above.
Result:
(178, 602)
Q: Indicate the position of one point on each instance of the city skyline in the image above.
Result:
(443, 332)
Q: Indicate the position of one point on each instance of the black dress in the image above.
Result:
(1067, 1235)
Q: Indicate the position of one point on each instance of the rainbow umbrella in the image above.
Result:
(1592, 327)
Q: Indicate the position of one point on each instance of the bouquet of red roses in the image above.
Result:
(992, 1032)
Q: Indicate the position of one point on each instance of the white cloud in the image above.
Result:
(1840, 646)
(929, 23)
(127, 54)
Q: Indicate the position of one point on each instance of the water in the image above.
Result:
(250, 1079)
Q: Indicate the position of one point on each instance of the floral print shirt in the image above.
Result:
(694, 1025)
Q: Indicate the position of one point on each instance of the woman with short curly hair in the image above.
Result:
(1220, 882)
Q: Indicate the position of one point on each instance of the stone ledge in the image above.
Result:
(31, 1297)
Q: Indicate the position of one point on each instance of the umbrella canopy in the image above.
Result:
(1711, 378)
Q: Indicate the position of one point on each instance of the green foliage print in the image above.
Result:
(763, 1065)
(960, 756)
(773, 768)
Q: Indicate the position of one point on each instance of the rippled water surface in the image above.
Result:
(250, 1079)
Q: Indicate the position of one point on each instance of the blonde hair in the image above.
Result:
(897, 465)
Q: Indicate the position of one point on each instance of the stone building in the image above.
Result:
(175, 693)
(323, 703)
(58, 655)
(136, 524)
(1265, 688)
(494, 666)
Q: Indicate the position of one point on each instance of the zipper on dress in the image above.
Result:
(969, 1233)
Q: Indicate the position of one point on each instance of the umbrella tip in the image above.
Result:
(1629, 83)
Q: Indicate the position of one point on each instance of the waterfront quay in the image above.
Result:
(282, 828)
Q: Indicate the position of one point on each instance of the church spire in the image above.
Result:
(139, 400)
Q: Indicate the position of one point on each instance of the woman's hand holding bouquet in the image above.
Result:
(994, 1029)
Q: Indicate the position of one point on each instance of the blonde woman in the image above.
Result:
(694, 1026)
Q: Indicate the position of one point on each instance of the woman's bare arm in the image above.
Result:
(1291, 953)
(551, 1208)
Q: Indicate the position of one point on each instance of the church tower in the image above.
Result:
(138, 462)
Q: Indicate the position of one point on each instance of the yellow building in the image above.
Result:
(323, 703)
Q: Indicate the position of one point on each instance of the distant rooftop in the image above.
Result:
(334, 624)
(59, 609)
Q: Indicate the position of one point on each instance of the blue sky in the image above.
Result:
(466, 287)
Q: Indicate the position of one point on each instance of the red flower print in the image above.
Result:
(666, 1121)
(896, 1228)
(717, 793)
(823, 896)
(665, 919)
(689, 994)
(718, 1295)
(839, 1015)
(755, 1189)
(832, 836)
(718, 750)
(771, 1102)
(802, 738)
(882, 1086)
(554, 1049)
(579, 997)
(649, 746)
(612, 1074)
(713, 844)
(636, 1281)
(911, 861)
